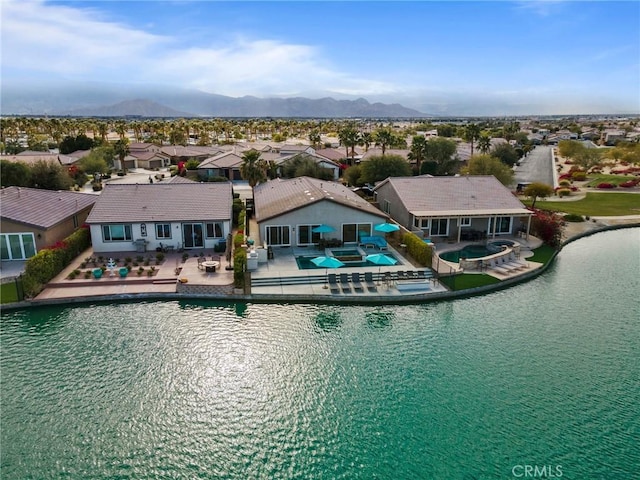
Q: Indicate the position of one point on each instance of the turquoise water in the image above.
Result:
(542, 374)
(474, 251)
(305, 263)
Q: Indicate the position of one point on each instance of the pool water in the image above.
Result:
(305, 263)
(475, 251)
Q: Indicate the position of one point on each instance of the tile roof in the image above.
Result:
(42, 208)
(29, 159)
(223, 160)
(279, 196)
(461, 195)
(171, 202)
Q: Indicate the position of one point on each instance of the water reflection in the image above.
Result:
(380, 319)
(327, 321)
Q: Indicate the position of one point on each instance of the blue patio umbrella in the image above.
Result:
(380, 259)
(386, 227)
(323, 229)
(327, 263)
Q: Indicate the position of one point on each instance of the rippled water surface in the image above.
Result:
(542, 374)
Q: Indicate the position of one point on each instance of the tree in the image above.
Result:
(588, 158)
(506, 154)
(315, 138)
(418, 146)
(484, 143)
(14, 173)
(121, 149)
(446, 130)
(538, 189)
(352, 175)
(570, 148)
(253, 168)
(471, 134)
(488, 165)
(49, 176)
(305, 166)
(439, 157)
(349, 139)
(380, 167)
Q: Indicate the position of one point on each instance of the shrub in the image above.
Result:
(418, 249)
(159, 257)
(605, 185)
(563, 192)
(239, 267)
(547, 226)
(72, 275)
(238, 239)
(579, 176)
(565, 183)
(87, 274)
(572, 217)
(629, 183)
(139, 259)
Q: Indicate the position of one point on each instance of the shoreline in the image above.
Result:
(298, 299)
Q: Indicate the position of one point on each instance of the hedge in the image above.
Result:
(418, 249)
(50, 261)
(239, 267)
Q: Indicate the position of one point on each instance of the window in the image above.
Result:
(439, 227)
(163, 230)
(17, 246)
(386, 206)
(352, 232)
(278, 235)
(214, 230)
(306, 235)
(421, 222)
(465, 221)
(75, 221)
(116, 233)
(143, 229)
(503, 225)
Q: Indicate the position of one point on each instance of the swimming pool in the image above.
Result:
(305, 263)
(476, 250)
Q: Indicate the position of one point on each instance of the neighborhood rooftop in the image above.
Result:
(26, 205)
(162, 202)
(277, 196)
(453, 196)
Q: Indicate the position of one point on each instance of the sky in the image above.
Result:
(537, 57)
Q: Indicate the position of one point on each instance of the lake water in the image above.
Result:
(544, 375)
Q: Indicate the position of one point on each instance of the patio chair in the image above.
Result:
(401, 275)
(344, 283)
(491, 265)
(355, 281)
(200, 260)
(333, 283)
(368, 280)
(411, 275)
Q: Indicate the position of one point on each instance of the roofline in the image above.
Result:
(332, 200)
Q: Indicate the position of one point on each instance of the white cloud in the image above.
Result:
(37, 37)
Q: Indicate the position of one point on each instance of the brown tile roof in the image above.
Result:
(42, 208)
(171, 202)
(331, 153)
(462, 195)
(279, 196)
(223, 160)
(29, 159)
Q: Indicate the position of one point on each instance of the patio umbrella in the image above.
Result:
(380, 259)
(322, 229)
(386, 227)
(327, 263)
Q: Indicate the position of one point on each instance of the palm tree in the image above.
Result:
(417, 150)
(471, 134)
(349, 139)
(384, 137)
(121, 148)
(484, 143)
(253, 168)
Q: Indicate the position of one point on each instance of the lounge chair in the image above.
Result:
(411, 275)
(333, 283)
(368, 280)
(355, 281)
(517, 261)
(496, 268)
(344, 283)
(374, 241)
(401, 275)
(504, 263)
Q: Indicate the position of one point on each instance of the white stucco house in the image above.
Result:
(287, 211)
(179, 215)
(453, 208)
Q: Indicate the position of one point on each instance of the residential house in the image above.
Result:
(150, 216)
(149, 156)
(613, 136)
(179, 153)
(30, 157)
(72, 158)
(225, 164)
(287, 211)
(453, 208)
(32, 218)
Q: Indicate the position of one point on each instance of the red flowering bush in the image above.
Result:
(547, 226)
(605, 185)
(630, 183)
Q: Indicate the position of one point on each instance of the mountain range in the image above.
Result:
(100, 100)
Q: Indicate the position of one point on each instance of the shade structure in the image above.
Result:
(327, 263)
(386, 227)
(380, 259)
(323, 229)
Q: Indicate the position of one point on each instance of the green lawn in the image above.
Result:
(8, 292)
(596, 204)
(604, 178)
(542, 254)
(468, 280)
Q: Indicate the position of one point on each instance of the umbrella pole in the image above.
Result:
(326, 278)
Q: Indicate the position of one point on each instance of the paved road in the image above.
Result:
(537, 166)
